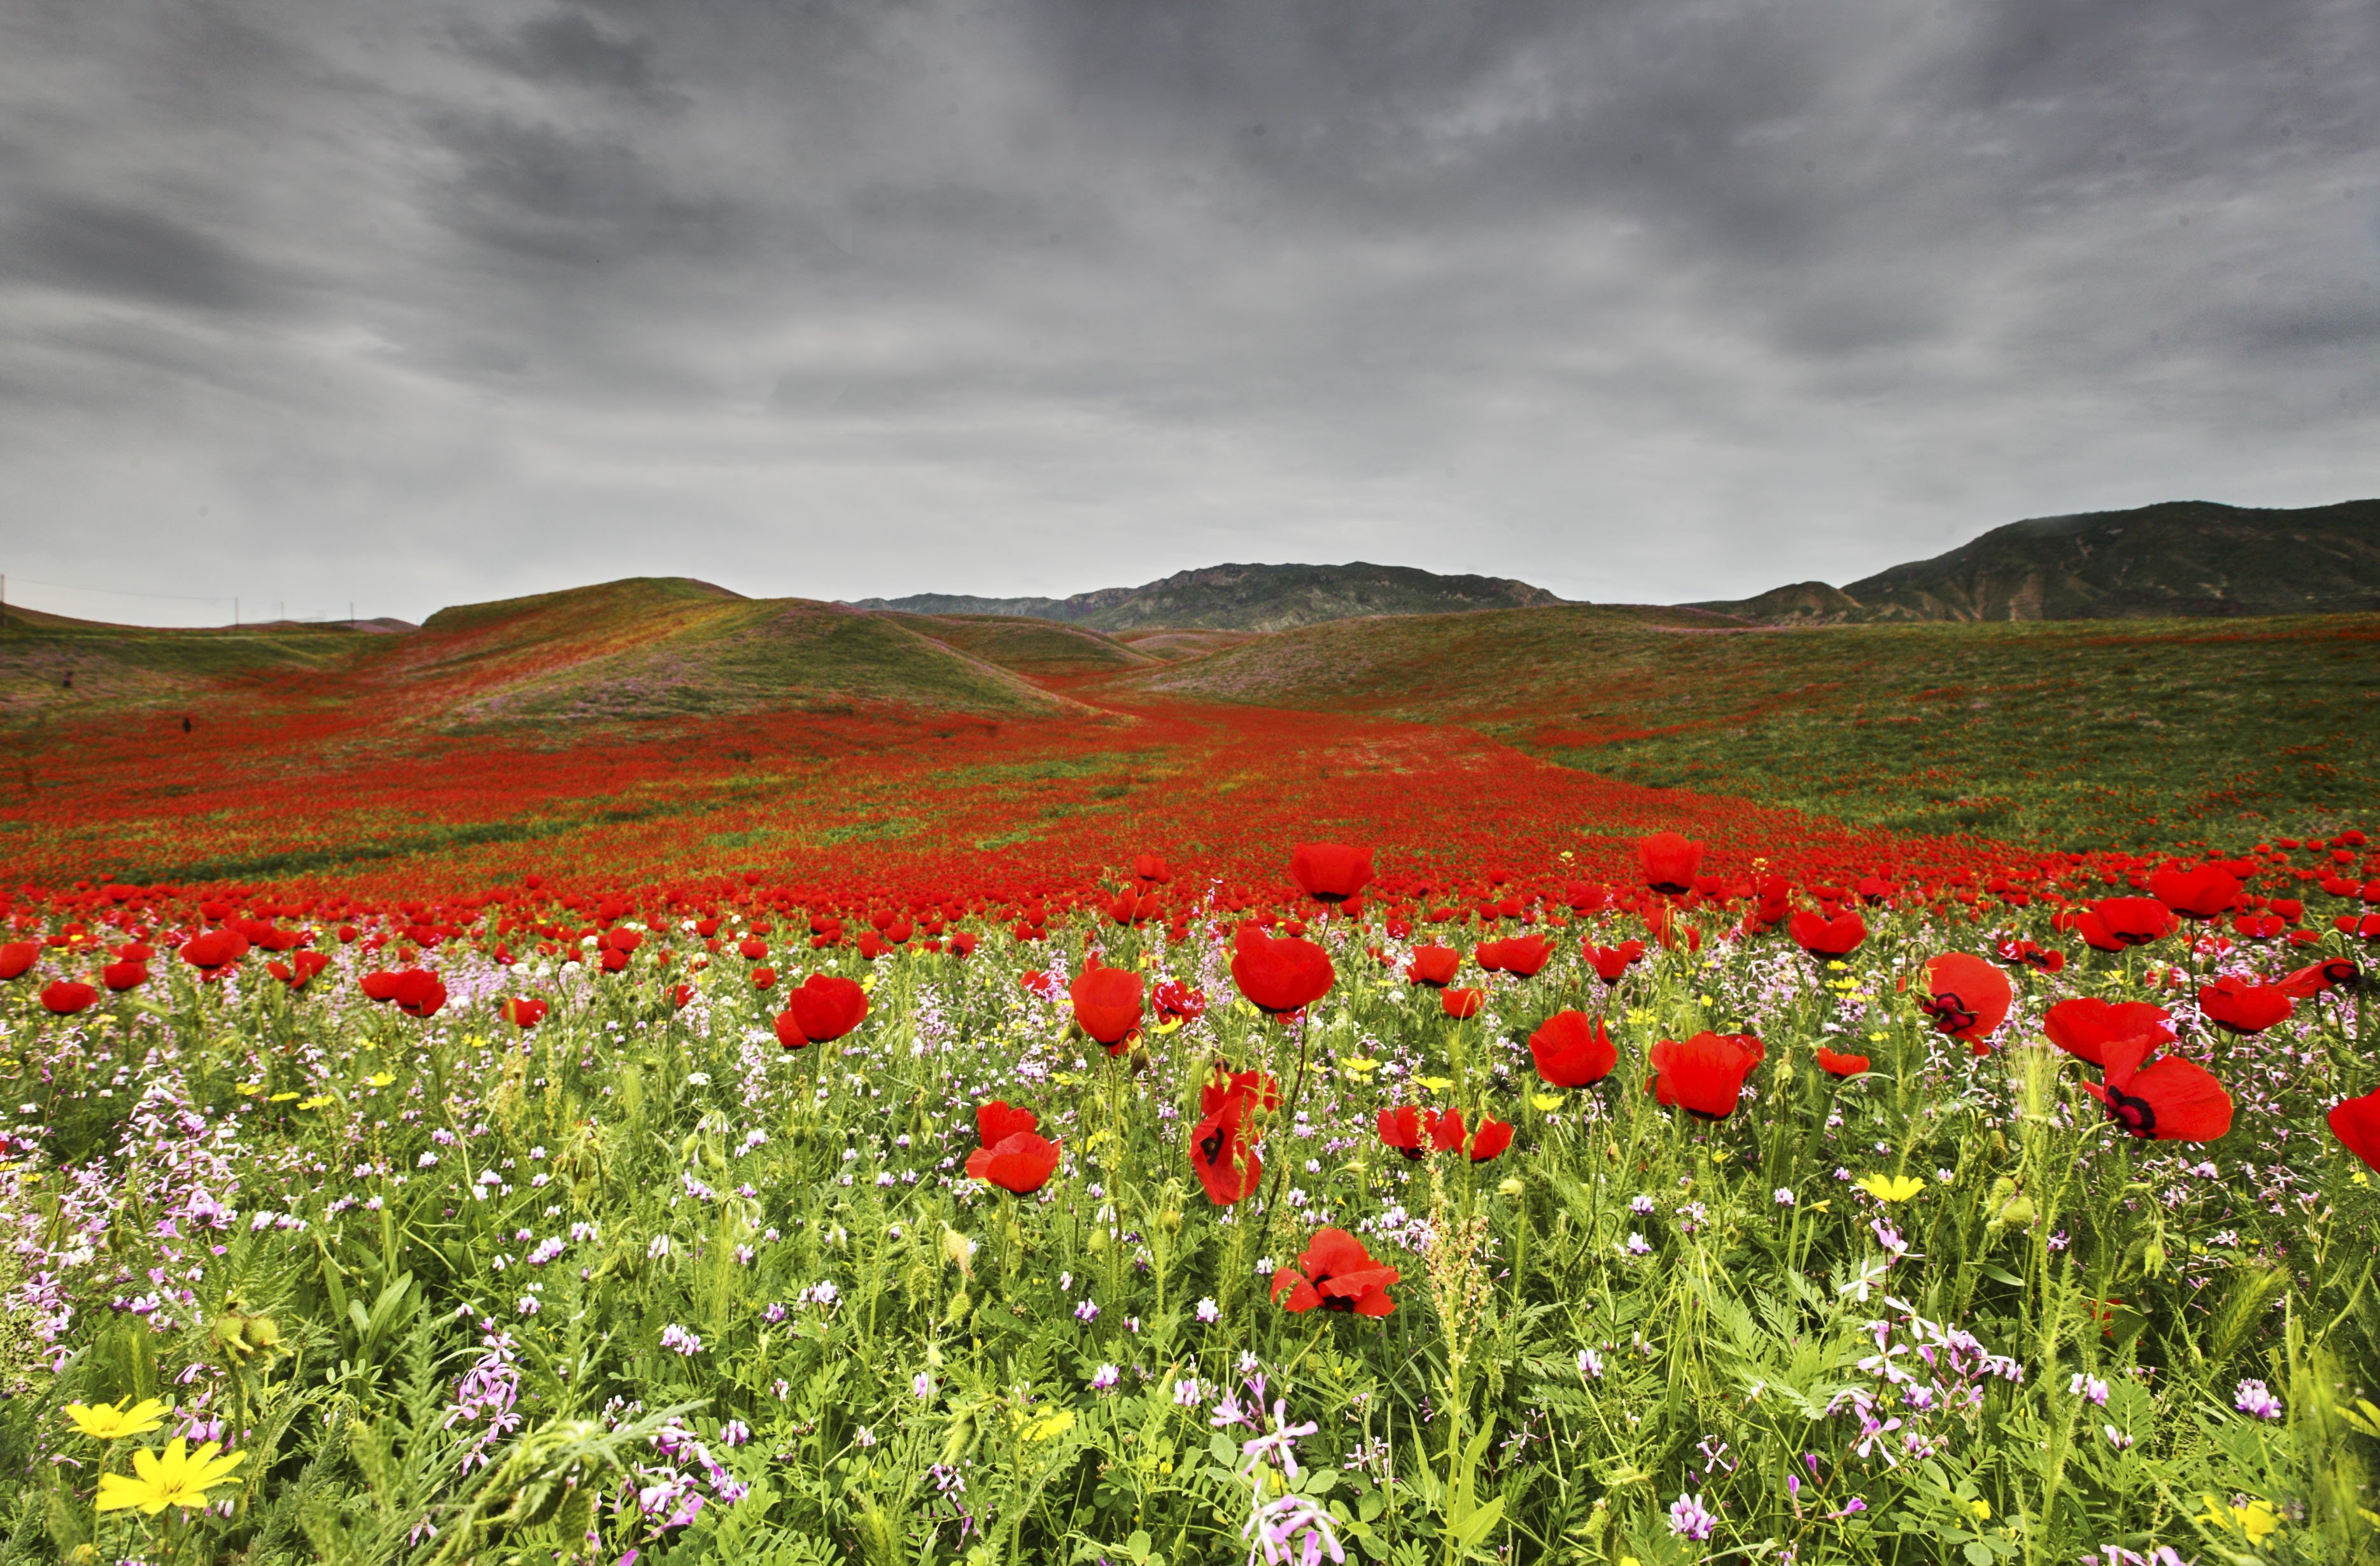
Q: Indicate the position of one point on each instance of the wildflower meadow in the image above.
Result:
(1658, 1206)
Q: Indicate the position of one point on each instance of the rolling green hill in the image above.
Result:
(2180, 558)
(1249, 598)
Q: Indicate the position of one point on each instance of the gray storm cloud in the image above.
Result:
(321, 301)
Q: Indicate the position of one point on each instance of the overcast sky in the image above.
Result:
(319, 300)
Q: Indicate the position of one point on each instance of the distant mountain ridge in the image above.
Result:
(1248, 597)
(2180, 558)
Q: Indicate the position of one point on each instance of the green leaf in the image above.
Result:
(1977, 1553)
(1999, 1274)
(1470, 1530)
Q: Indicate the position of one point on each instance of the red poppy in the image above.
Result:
(418, 993)
(1261, 1090)
(1280, 976)
(1461, 1003)
(1967, 998)
(2314, 978)
(1841, 1065)
(215, 949)
(1825, 937)
(2133, 921)
(1020, 1163)
(1226, 1165)
(69, 996)
(2027, 955)
(2086, 1026)
(681, 995)
(1521, 955)
(523, 1012)
(1336, 1273)
(1331, 872)
(1492, 1138)
(1669, 861)
(1611, 962)
(2200, 891)
(1176, 1001)
(998, 1120)
(764, 978)
(2170, 1100)
(963, 943)
(130, 974)
(1150, 868)
(2260, 927)
(1705, 1074)
(611, 959)
(2356, 1124)
(1401, 1128)
(1107, 1005)
(299, 970)
(2237, 1006)
(1445, 1130)
(752, 949)
(1573, 1049)
(1434, 964)
(826, 1006)
(378, 985)
(16, 956)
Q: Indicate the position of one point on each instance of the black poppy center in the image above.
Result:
(1213, 1147)
(2135, 1115)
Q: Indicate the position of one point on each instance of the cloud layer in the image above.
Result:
(319, 300)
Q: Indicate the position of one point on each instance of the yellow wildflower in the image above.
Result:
(113, 1422)
(1548, 1102)
(1891, 1187)
(173, 1478)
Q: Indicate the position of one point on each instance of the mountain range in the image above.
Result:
(1248, 597)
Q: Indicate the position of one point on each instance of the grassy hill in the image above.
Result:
(1249, 598)
(2180, 558)
(2078, 734)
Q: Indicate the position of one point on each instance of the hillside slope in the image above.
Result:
(1249, 598)
(2189, 558)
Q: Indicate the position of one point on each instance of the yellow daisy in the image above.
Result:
(172, 1478)
(113, 1422)
(1891, 1187)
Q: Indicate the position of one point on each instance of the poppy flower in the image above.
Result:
(2200, 891)
(2086, 1026)
(216, 949)
(1461, 1003)
(2259, 927)
(523, 1012)
(2026, 954)
(764, 978)
(1611, 962)
(1573, 1049)
(1336, 1273)
(2314, 978)
(378, 985)
(1492, 1138)
(1280, 976)
(69, 996)
(1331, 872)
(418, 993)
(2170, 1100)
(1150, 868)
(1226, 1165)
(1445, 1129)
(1521, 956)
(130, 974)
(752, 949)
(1401, 1128)
(1967, 998)
(2356, 1124)
(1020, 1163)
(2364, 929)
(1434, 964)
(1176, 1001)
(1825, 937)
(826, 1006)
(300, 970)
(680, 995)
(16, 957)
(2133, 921)
(1669, 861)
(1107, 1004)
(1261, 1089)
(998, 1120)
(1705, 1074)
(1834, 1065)
(2237, 1006)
